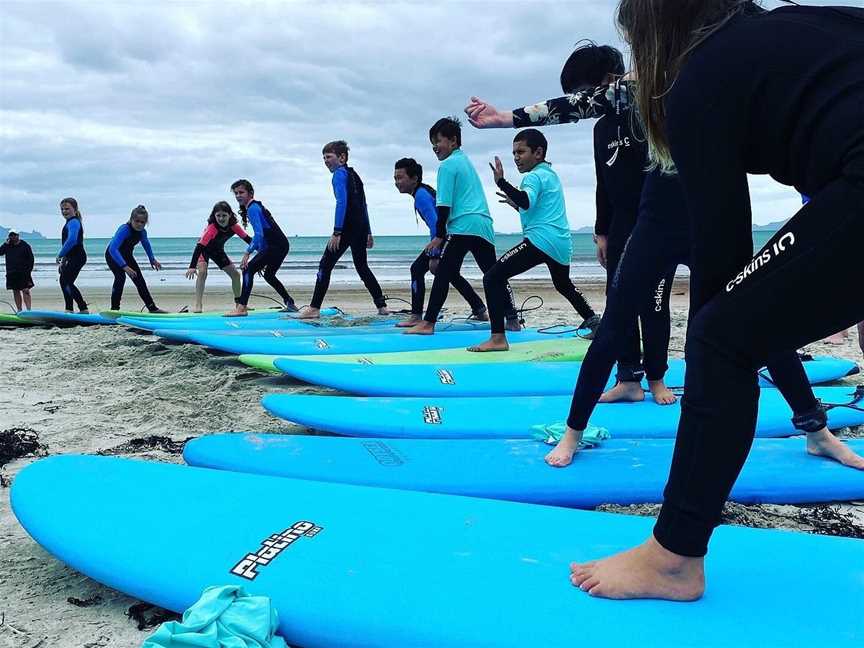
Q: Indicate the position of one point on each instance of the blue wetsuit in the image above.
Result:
(351, 223)
(72, 258)
(120, 253)
(424, 206)
(271, 247)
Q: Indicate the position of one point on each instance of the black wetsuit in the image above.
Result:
(778, 93)
(271, 247)
(352, 226)
(72, 257)
(19, 265)
(120, 253)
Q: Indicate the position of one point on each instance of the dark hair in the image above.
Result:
(245, 184)
(589, 64)
(222, 206)
(74, 204)
(661, 35)
(534, 139)
(338, 147)
(140, 210)
(412, 168)
(449, 127)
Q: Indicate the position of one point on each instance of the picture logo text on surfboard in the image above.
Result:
(271, 547)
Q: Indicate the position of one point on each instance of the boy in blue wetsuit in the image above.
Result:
(463, 225)
(269, 244)
(120, 258)
(350, 230)
(72, 256)
(408, 177)
(540, 203)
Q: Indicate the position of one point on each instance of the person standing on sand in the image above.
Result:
(19, 266)
(120, 257)
(221, 226)
(463, 224)
(351, 229)
(408, 177)
(270, 245)
(540, 203)
(72, 256)
(700, 65)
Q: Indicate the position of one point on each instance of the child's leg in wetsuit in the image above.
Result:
(656, 327)
(325, 268)
(361, 264)
(275, 257)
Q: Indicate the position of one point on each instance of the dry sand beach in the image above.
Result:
(111, 391)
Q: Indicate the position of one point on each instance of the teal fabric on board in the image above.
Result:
(544, 223)
(460, 189)
(224, 617)
(552, 434)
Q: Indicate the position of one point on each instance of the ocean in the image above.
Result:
(390, 260)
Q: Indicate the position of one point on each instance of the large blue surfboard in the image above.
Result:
(323, 345)
(619, 471)
(195, 336)
(62, 318)
(255, 320)
(513, 379)
(352, 566)
(516, 416)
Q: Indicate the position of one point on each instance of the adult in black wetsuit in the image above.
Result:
(19, 266)
(351, 229)
(777, 93)
(269, 243)
(72, 255)
(120, 258)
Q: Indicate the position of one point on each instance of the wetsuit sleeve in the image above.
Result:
(208, 235)
(145, 243)
(196, 254)
(443, 213)
(604, 208)
(31, 261)
(73, 229)
(256, 219)
(424, 204)
(567, 109)
(120, 235)
(240, 232)
(3, 249)
(340, 191)
(519, 197)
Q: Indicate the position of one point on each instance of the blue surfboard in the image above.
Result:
(195, 336)
(258, 319)
(353, 566)
(513, 379)
(62, 318)
(619, 471)
(515, 417)
(323, 345)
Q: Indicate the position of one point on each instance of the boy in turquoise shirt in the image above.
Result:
(464, 224)
(540, 202)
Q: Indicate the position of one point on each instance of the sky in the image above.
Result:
(167, 103)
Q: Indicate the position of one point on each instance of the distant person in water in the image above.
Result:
(351, 229)
(463, 225)
(269, 244)
(19, 266)
(121, 259)
(72, 255)
(221, 226)
(408, 177)
(540, 203)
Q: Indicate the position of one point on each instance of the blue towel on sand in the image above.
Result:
(224, 617)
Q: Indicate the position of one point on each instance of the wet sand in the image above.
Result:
(108, 390)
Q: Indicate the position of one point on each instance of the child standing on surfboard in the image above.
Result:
(408, 177)
(351, 229)
(540, 203)
(463, 225)
(120, 258)
(221, 226)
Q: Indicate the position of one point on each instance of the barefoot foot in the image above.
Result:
(837, 338)
(411, 321)
(513, 325)
(661, 393)
(627, 392)
(239, 311)
(825, 444)
(481, 316)
(647, 571)
(498, 342)
(310, 313)
(383, 311)
(568, 446)
(421, 328)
